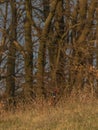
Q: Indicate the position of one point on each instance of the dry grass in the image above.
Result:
(66, 116)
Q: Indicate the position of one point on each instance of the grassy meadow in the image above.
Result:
(64, 116)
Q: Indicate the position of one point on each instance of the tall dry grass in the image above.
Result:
(70, 114)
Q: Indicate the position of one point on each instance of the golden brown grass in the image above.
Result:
(66, 116)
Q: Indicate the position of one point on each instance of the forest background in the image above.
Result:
(48, 49)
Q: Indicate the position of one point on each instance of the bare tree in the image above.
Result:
(49, 45)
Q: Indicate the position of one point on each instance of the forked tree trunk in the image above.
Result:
(43, 42)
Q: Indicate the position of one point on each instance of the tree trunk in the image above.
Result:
(55, 46)
(10, 80)
(28, 88)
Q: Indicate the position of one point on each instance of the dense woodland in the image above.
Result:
(48, 48)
